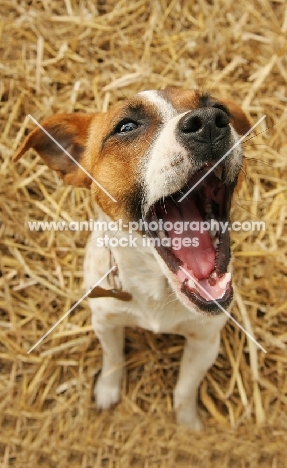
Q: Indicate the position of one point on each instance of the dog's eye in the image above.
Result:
(127, 126)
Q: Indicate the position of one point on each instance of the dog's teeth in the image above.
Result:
(218, 171)
(208, 209)
(215, 242)
(226, 278)
(160, 234)
(212, 278)
(209, 217)
(212, 233)
(190, 284)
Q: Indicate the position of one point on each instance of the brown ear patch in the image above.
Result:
(70, 131)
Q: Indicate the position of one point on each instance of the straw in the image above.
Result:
(83, 56)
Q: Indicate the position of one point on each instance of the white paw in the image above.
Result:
(106, 393)
(188, 419)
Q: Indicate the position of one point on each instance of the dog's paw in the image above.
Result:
(188, 419)
(106, 393)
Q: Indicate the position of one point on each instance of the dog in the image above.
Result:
(155, 155)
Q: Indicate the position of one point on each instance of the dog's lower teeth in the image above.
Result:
(215, 242)
(190, 284)
(226, 278)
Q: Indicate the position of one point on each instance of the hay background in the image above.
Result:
(61, 56)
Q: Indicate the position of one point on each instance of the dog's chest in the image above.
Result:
(154, 305)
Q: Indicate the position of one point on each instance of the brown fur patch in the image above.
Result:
(71, 132)
(116, 161)
(182, 100)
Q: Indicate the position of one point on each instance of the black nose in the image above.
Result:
(205, 125)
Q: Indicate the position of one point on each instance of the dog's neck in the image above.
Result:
(122, 258)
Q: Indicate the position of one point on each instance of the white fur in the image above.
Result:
(165, 108)
(168, 164)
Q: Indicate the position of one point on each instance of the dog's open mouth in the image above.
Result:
(198, 257)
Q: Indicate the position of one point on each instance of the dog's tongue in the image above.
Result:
(200, 260)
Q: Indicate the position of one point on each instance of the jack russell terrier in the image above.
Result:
(148, 152)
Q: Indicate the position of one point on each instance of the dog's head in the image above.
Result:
(148, 152)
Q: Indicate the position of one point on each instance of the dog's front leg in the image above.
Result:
(198, 357)
(108, 386)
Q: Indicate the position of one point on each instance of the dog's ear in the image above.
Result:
(240, 121)
(71, 132)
